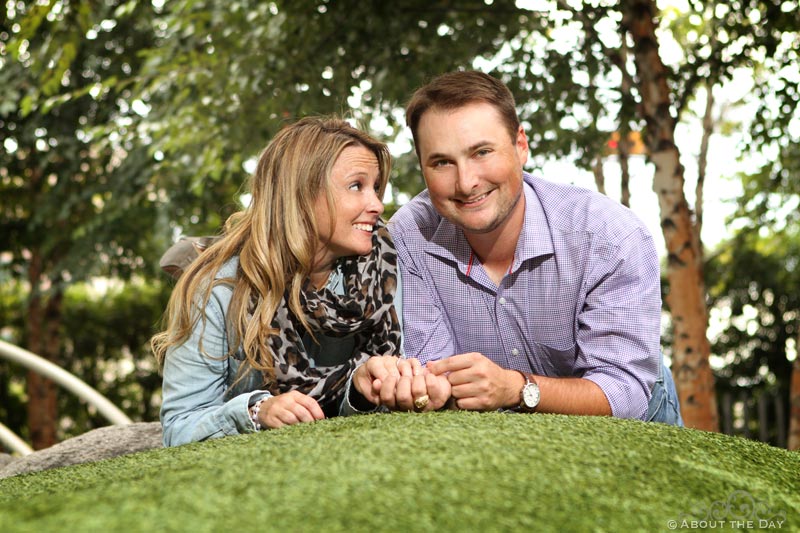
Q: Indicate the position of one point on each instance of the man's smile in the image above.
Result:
(474, 201)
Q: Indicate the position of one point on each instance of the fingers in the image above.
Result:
(369, 377)
(399, 392)
(388, 391)
(404, 399)
(409, 367)
(439, 391)
(381, 366)
(407, 390)
(476, 382)
(419, 386)
(368, 385)
(290, 408)
(378, 380)
(453, 363)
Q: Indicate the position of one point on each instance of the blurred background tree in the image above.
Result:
(126, 124)
(74, 205)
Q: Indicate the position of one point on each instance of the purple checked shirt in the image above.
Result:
(582, 298)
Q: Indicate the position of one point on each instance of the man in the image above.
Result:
(524, 294)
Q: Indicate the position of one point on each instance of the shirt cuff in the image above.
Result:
(354, 402)
(253, 405)
(626, 400)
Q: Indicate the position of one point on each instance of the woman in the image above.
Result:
(267, 325)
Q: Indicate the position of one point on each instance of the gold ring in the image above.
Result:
(421, 402)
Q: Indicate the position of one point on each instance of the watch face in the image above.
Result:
(530, 395)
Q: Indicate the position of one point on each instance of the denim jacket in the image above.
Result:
(200, 399)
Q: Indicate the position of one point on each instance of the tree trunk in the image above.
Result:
(793, 443)
(623, 151)
(599, 176)
(702, 165)
(686, 298)
(44, 317)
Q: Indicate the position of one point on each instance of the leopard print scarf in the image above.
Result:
(365, 310)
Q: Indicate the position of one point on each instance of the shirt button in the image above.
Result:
(502, 301)
(514, 352)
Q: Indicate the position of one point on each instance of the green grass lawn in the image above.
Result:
(450, 471)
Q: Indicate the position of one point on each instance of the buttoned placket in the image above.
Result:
(505, 320)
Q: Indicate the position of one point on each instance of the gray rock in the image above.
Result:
(101, 443)
(5, 459)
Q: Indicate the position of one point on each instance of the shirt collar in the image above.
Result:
(535, 240)
(449, 243)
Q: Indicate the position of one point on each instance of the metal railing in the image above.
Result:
(60, 376)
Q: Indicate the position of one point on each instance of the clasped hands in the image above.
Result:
(472, 380)
(401, 384)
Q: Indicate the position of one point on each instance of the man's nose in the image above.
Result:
(466, 179)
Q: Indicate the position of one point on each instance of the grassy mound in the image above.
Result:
(451, 471)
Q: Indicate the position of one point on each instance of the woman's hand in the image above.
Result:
(289, 408)
(409, 393)
(401, 384)
(368, 378)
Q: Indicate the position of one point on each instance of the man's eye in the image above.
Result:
(484, 151)
(441, 163)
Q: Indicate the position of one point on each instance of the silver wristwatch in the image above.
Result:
(529, 395)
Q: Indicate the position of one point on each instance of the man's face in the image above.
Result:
(472, 166)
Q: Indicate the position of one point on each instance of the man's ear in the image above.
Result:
(521, 144)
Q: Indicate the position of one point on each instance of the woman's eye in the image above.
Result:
(356, 186)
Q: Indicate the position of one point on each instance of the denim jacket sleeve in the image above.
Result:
(196, 402)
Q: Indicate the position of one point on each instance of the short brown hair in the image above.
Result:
(457, 89)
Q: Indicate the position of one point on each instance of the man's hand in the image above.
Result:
(477, 383)
(290, 408)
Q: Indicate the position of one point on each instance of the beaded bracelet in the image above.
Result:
(254, 414)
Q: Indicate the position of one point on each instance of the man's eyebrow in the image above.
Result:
(436, 155)
(477, 145)
(471, 148)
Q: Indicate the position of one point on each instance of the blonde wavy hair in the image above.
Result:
(275, 238)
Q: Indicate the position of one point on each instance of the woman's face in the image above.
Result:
(354, 184)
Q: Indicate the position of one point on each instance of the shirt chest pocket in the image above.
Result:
(552, 362)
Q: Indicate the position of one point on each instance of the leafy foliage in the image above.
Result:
(124, 122)
(755, 284)
(80, 204)
(216, 81)
(112, 354)
(568, 72)
(12, 378)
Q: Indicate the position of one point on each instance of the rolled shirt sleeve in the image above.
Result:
(618, 335)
